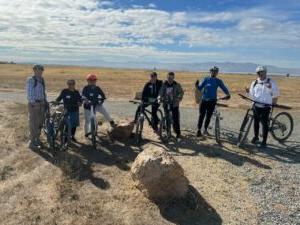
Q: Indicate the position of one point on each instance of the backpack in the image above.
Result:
(36, 81)
(256, 82)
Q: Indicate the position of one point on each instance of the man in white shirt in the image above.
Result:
(264, 91)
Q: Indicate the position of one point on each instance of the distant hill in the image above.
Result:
(3, 62)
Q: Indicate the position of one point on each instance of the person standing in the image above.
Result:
(264, 91)
(72, 101)
(90, 95)
(37, 100)
(209, 87)
(173, 92)
(149, 96)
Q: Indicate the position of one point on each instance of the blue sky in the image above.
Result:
(141, 32)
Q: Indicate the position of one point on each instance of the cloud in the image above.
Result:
(99, 28)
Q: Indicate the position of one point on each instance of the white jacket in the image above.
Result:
(264, 91)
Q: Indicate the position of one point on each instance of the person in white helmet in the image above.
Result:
(264, 91)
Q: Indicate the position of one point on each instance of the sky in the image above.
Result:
(165, 31)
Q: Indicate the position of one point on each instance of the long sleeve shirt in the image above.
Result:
(264, 91)
(209, 87)
(35, 89)
(92, 93)
(71, 99)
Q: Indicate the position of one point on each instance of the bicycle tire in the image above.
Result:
(62, 131)
(217, 130)
(169, 127)
(245, 128)
(275, 122)
(139, 129)
(50, 133)
(93, 133)
(163, 129)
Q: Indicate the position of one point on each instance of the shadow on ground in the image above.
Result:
(191, 210)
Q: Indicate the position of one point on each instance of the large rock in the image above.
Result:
(123, 130)
(156, 173)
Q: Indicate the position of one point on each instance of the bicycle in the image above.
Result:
(141, 116)
(280, 126)
(93, 120)
(57, 122)
(165, 131)
(217, 118)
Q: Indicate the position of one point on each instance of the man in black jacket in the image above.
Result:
(149, 96)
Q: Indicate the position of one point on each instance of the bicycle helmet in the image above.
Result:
(214, 69)
(261, 69)
(91, 77)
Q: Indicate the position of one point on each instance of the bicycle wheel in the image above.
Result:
(50, 133)
(282, 126)
(139, 129)
(94, 133)
(245, 128)
(169, 126)
(217, 130)
(163, 134)
(63, 136)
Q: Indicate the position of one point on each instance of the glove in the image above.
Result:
(197, 83)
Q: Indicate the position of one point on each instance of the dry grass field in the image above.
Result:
(121, 84)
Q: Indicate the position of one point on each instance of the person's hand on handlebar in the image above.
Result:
(197, 83)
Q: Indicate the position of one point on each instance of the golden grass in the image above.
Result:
(121, 84)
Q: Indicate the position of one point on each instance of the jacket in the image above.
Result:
(172, 91)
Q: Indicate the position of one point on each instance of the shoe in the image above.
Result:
(74, 139)
(178, 136)
(34, 146)
(254, 140)
(206, 133)
(112, 124)
(87, 134)
(263, 145)
(199, 134)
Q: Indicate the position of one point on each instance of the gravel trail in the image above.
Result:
(276, 190)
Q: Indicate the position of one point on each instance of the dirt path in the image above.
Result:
(87, 186)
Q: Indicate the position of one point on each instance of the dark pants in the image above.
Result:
(206, 110)
(73, 131)
(175, 117)
(261, 115)
(155, 119)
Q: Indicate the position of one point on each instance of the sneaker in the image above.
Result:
(263, 145)
(34, 146)
(254, 140)
(87, 134)
(206, 133)
(199, 134)
(74, 139)
(178, 136)
(112, 124)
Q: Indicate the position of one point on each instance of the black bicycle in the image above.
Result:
(57, 124)
(280, 126)
(165, 131)
(143, 114)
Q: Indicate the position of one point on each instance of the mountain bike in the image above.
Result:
(165, 131)
(57, 123)
(143, 114)
(280, 126)
(49, 127)
(93, 120)
(217, 120)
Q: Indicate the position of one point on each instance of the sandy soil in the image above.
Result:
(87, 186)
(121, 84)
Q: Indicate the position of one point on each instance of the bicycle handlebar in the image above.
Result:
(270, 105)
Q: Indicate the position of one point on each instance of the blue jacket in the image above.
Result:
(210, 86)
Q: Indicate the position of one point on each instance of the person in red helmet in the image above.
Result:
(91, 94)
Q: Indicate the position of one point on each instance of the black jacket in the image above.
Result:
(151, 90)
(70, 99)
(92, 93)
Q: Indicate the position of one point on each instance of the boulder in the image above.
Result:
(158, 176)
(121, 131)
